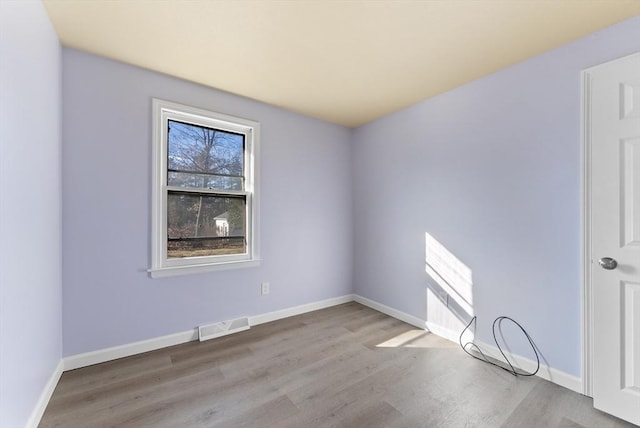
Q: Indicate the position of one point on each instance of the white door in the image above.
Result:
(613, 131)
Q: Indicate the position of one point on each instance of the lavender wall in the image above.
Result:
(305, 211)
(30, 208)
(492, 171)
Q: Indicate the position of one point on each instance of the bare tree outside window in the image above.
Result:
(205, 218)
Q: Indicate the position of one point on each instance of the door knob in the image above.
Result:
(608, 263)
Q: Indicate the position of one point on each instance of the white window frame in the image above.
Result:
(161, 265)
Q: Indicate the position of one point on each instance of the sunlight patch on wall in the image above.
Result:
(449, 273)
(443, 320)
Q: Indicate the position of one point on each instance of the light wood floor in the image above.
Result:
(345, 366)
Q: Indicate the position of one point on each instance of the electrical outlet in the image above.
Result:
(265, 288)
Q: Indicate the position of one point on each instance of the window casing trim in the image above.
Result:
(161, 265)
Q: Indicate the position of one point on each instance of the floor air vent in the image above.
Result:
(210, 331)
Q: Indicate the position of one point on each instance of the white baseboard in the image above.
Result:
(402, 316)
(45, 396)
(298, 310)
(129, 349)
(443, 332)
(556, 376)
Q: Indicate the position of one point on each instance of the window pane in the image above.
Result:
(204, 225)
(204, 157)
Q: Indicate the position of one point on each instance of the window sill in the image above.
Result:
(187, 270)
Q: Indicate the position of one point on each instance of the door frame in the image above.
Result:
(585, 184)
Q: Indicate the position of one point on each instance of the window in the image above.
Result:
(204, 191)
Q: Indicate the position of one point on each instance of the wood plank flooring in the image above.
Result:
(345, 366)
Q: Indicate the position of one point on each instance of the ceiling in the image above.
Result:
(347, 62)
